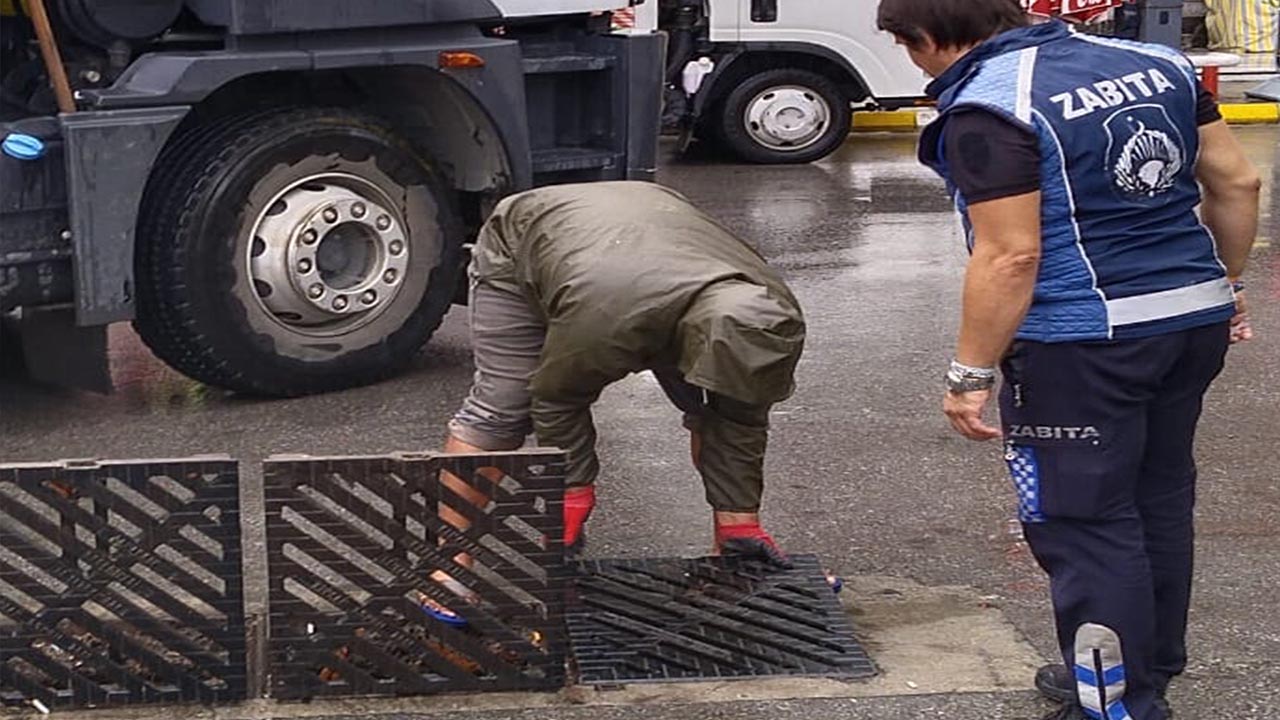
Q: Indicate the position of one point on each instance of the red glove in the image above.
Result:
(577, 508)
(752, 540)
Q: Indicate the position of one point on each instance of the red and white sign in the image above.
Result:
(624, 19)
(1080, 11)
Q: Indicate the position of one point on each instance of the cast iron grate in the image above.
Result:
(120, 583)
(709, 618)
(352, 544)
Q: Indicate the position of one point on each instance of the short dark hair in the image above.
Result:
(951, 23)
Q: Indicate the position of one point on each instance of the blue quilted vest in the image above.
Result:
(1123, 253)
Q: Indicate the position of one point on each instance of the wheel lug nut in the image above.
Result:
(358, 210)
(383, 222)
(396, 247)
(315, 291)
(369, 297)
(310, 237)
(340, 302)
(304, 266)
(390, 276)
(330, 215)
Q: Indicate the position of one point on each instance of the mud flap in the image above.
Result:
(58, 352)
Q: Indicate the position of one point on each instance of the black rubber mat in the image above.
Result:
(120, 584)
(710, 618)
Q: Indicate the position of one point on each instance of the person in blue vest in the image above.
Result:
(1107, 303)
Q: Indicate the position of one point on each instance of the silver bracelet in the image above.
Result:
(973, 372)
(962, 378)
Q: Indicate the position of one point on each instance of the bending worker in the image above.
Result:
(1108, 303)
(576, 286)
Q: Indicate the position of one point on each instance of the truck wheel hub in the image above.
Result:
(328, 254)
(787, 118)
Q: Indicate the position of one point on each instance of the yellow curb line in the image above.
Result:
(1250, 113)
(906, 120)
(885, 120)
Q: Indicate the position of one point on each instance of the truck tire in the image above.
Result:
(295, 251)
(784, 115)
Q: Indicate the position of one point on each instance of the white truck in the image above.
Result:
(776, 81)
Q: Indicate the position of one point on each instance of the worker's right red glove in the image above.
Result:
(750, 540)
(578, 504)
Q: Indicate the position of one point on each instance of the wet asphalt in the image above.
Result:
(863, 468)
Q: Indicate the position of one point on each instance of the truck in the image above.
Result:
(776, 81)
(279, 194)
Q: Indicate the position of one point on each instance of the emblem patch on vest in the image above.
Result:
(1146, 153)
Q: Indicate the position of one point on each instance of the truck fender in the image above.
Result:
(746, 52)
(190, 78)
(159, 90)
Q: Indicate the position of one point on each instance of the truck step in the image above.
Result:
(564, 159)
(566, 63)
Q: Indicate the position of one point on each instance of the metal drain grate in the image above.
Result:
(710, 618)
(120, 583)
(352, 543)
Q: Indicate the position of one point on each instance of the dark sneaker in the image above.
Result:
(1056, 683)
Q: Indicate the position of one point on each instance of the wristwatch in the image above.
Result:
(963, 378)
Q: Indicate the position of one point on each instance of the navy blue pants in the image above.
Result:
(1099, 443)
